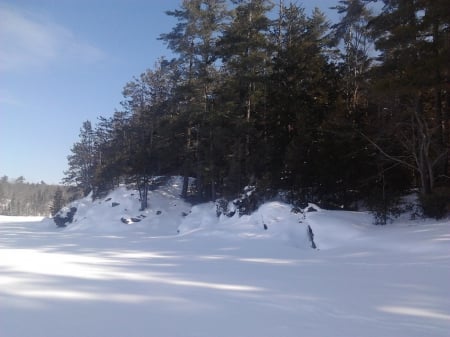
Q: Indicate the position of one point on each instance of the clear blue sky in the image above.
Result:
(66, 61)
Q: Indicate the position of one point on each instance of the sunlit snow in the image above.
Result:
(199, 275)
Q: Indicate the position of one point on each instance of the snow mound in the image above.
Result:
(272, 221)
(120, 211)
(169, 215)
(277, 222)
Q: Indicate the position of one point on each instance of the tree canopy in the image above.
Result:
(280, 99)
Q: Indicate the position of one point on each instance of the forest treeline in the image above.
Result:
(21, 198)
(264, 94)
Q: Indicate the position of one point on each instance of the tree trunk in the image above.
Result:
(184, 189)
(424, 163)
(211, 166)
(143, 183)
(446, 126)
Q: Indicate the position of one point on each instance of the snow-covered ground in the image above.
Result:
(199, 275)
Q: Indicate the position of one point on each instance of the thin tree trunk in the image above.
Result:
(184, 189)
(425, 167)
(211, 165)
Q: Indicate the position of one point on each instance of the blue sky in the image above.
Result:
(66, 61)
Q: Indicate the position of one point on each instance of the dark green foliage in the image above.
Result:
(409, 82)
(82, 161)
(285, 103)
(437, 204)
(58, 202)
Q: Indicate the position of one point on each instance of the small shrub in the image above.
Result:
(436, 205)
(384, 204)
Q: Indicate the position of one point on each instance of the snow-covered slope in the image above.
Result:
(120, 211)
(169, 215)
(197, 275)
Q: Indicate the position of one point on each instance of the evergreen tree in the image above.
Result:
(302, 95)
(408, 37)
(82, 160)
(194, 40)
(57, 202)
(352, 30)
(273, 103)
(245, 53)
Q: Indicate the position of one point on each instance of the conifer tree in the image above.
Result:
(411, 86)
(352, 30)
(57, 202)
(82, 160)
(245, 52)
(193, 39)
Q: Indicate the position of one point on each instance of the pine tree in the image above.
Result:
(406, 79)
(82, 160)
(245, 53)
(193, 39)
(352, 30)
(302, 96)
(57, 202)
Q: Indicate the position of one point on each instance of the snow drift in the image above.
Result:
(183, 271)
(169, 215)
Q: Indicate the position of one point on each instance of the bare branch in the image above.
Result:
(390, 157)
(438, 159)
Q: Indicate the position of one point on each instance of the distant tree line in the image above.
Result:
(20, 198)
(271, 96)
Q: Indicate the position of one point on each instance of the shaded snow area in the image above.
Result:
(177, 270)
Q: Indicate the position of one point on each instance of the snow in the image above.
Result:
(198, 275)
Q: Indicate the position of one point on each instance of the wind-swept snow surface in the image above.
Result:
(221, 277)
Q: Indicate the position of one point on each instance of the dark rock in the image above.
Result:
(311, 209)
(109, 199)
(114, 204)
(125, 221)
(158, 212)
(311, 237)
(135, 219)
(248, 201)
(296, 210)
(61, 221)
(302, 204)
(265, 227)
(222, 208)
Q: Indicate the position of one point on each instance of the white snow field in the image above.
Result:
(221, 276)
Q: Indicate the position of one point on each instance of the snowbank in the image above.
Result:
(183, 271)
(120, 211)
(168, 215)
